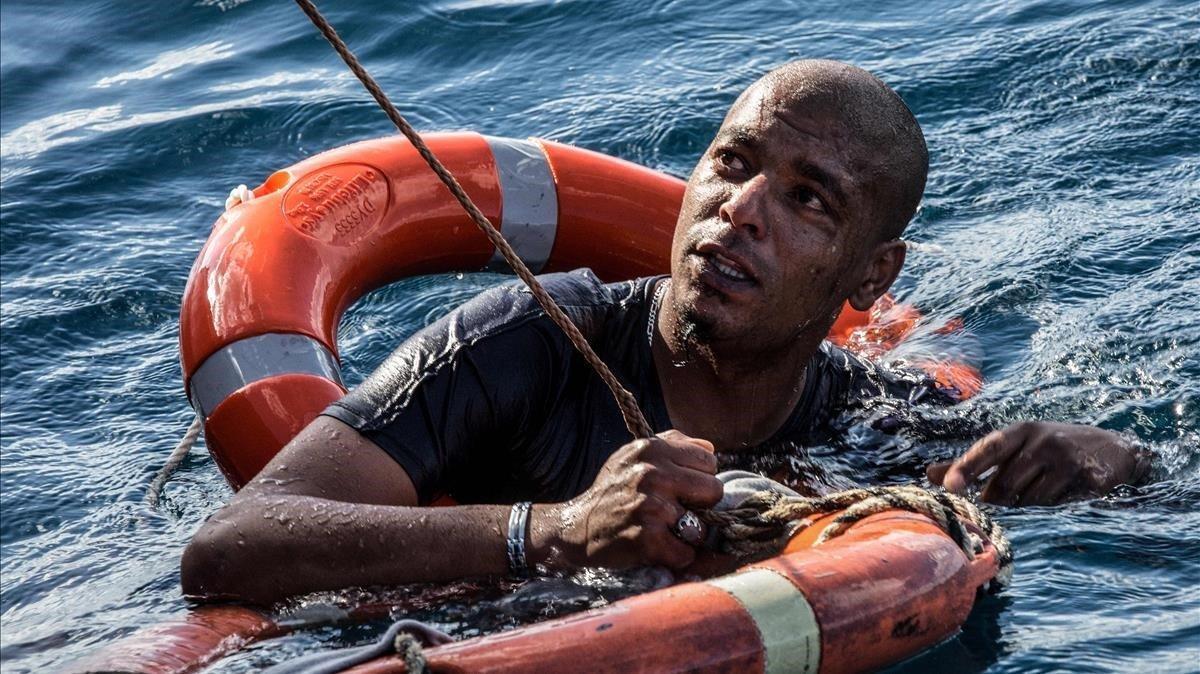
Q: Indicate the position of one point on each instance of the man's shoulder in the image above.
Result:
(581, 288)
(581, 294)
(858, 379)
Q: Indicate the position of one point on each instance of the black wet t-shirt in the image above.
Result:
(491, 403)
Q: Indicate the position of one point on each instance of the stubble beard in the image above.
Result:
(700, 337)
(692, 332)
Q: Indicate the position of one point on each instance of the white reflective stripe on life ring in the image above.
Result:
(254, 358)
(529, 202)
(785, 619)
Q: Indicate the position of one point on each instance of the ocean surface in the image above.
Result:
(1061, 222)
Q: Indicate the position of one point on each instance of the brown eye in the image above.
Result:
(809, 199)
(731, 160)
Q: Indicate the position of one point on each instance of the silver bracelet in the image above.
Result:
(518, 522)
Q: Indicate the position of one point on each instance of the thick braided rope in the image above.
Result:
(408, 647)
(154, 491)
(764, 523)
(630, 412)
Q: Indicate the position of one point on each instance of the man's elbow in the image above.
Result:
(211, 562)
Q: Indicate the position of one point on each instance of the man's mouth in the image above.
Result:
(724, 265)
(728, 267)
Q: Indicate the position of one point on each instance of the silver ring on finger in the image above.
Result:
(688, 528)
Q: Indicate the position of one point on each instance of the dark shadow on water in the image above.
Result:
(978, 647)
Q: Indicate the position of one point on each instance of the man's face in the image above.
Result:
(775, 231)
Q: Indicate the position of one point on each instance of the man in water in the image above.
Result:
(796, 208)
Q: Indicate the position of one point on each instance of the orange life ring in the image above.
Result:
(891, 586)
(261, 308)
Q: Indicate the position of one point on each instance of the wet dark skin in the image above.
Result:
(793, 210)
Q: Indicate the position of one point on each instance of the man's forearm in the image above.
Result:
(263, 548)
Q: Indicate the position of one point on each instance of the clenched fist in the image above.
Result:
(626, 517)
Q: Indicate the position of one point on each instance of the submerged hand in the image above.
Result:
(626, 517)
(1043, 463)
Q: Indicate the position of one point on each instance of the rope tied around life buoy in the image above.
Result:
(761, 526)
(238, 195)
(411, 651)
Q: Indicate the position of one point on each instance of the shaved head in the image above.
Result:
(891, 159)
(795, 209)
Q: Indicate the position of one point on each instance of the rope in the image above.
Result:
(632, 415)
(762, 525)
(411, 638)
(238, 195)
(408, 647)
(153, 494)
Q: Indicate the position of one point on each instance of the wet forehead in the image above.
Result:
(801, 128)
(796, 110)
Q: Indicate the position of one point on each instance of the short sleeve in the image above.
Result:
(471, 383)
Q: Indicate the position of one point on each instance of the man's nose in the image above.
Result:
(745, 207)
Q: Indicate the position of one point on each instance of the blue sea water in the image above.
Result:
(1061, 221)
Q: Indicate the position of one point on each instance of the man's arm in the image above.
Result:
(338, 506)
(1028, 463)
(332, 510)
(1044, 463)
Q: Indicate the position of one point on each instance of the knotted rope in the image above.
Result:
(410, 650)
(411, 638)
(765, 521)
(762, 525)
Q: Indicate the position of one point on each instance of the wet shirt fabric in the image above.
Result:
(491, 403)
